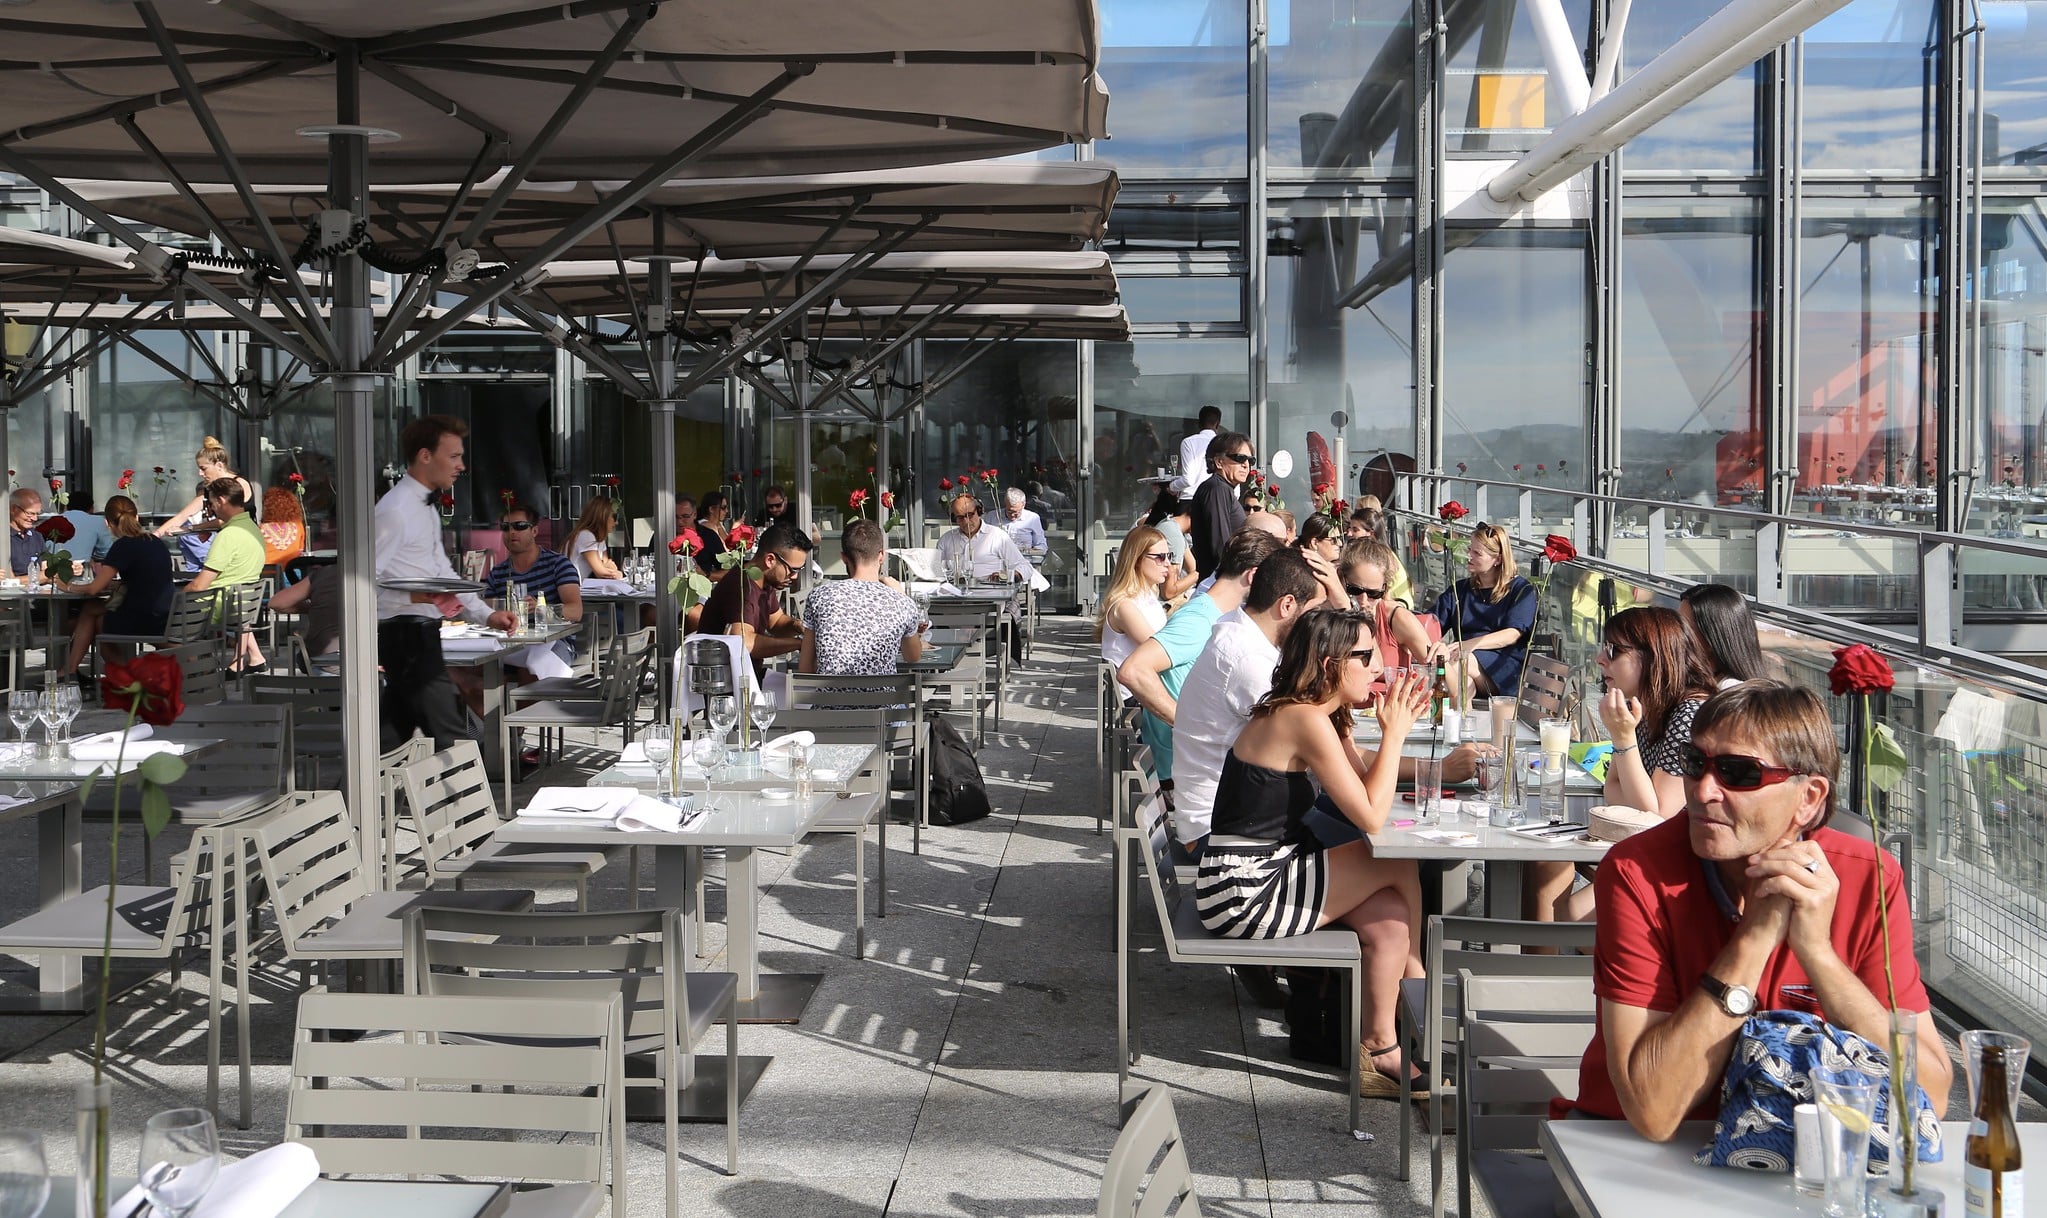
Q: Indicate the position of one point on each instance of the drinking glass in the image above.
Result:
(49, 711)
(762, 712)
(68, 706)
(24, 707)
(723, 712)
(707, 750)
(1556, 737)
(2016, 1050)
(179, 1159)
(1491, 773)
(800, 758)
(1428, 789)
(1846, 1102)
(1503, 711)
(659, 742)
(24, 1174)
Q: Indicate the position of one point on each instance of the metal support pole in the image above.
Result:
(800, 387)
(355, 404)
(662, 406)
(1430, 30)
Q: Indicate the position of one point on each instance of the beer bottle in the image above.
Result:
(1991, 1178)
(1439, 693)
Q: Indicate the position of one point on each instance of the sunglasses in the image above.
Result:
(1360, 590)
(774, 507)
(517, 526)
(1614, 651)
(1165, 556)
(1732, 770)
(1364, 653)
(1240, 458)
(958, 517)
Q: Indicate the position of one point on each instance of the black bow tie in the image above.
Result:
(433, 499)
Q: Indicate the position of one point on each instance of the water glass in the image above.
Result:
(49, 711)
(179, 1158)
(658, 741)
(708, 751)
(723, 712)
(68, 705)
(24, 707)
(800, 759)
(762, 711)
(1428, 789)
(1491, 775)
(2016, 1050)
(1846, 1103)
(24, 1174)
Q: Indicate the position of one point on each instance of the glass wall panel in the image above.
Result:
(1016, 410)
(1139, 228)
(1327, 361)
(1340, 86)
(1176, 69)
(1216, 299)
(2014, 99)
(1515, 334)
(1869, 103)
(2013, 441)
(1498, 96)
(1691, 423)
(1715, 132)
(140, 417)
(1147, 393)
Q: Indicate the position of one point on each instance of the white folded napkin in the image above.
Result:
(645, 815)
(93, 749)
(948, 588)
(784, 744)
(260, 1186)
(470, 644)
(577, 803)
(634, 754)
(607, 587)
(141, 731)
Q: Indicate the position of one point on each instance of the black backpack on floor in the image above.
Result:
(957, 795)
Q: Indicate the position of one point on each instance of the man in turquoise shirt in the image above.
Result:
(1154, 671)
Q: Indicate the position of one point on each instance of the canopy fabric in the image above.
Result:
(892, 279)
(891, 82)
(974, 206)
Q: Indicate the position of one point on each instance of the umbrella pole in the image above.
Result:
(663, 407)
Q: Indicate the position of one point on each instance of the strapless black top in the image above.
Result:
(1255, 802)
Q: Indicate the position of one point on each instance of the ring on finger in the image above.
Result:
(1812, 866)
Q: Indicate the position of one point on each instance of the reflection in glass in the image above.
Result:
(1515, 330)
(1498, 96)
(1326, 360)
(1177, 69)
(1210, 298)
(1136, 228)
(2011, 496)
(1147, 393)
(1691, 425)
(2015, 58)
(1712, 133)
(1868, 104)
(1340, 86)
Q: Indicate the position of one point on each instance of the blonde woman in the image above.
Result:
(586, 548)
(1131, 609)
(211, 461)
(1487, 617)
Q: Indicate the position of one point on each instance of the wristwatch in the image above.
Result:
(1736, 1000)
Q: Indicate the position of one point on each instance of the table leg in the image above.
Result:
(1503, 882)
(59, 834)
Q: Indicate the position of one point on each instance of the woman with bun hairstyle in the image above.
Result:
(211, 461)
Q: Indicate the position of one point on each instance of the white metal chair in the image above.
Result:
(618, 707)
(1147, 1175)
(1524, 1037)
(388, 1084)
(454, 814)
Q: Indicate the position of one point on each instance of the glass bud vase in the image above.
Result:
(1895, 1199)
(95, 1138)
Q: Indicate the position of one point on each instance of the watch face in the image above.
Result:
(1739, 1000)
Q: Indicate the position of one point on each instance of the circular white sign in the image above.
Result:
(1282, 463)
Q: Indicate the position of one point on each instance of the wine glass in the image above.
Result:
(762, 712)
(659, 743)
(68, 706)
(179, 1158)
(24, 707)
(50, 712)
(24, 1174)
(707, 750)
(723, 712)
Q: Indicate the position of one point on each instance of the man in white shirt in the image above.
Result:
(1024, 526)
(1226, 682)
(1194, 449)
(417, 690)
(993, 554)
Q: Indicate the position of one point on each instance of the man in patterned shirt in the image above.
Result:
(860, 626)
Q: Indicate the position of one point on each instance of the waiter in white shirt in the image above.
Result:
(417, 690)
(993, 554)
(1194, 449)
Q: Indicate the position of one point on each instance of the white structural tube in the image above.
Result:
(1611, 36)
(1560, 53)
(1722, 45)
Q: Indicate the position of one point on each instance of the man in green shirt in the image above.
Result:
(236, 556)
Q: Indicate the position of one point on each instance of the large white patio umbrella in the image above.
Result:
(452, 90)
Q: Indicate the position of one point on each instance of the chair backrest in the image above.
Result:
(258, 754)
(315, 704)
(637, 954)
(1545, 684)
(1147, 1175)
(1524, 1037)
(1156, 848)
(623, 677)
(453, 810)
(920, 561)
(190, 618)
(205, 678)
(312, 863)
(835, 725)
(418, 1095)
(840, 693)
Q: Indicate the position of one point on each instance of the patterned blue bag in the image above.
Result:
(1770, 1073)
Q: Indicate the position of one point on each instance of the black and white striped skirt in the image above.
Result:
(1266, 894)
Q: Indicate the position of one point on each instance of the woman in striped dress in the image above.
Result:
(1264, 876)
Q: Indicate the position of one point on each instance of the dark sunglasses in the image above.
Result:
(1364, 653)
(517, 526)
(1361, 590)
(959, 516)
(1732, 770)
(1165, 556)
(1240, 458)
(1614, 651)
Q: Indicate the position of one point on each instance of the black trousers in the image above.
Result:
(417, 691)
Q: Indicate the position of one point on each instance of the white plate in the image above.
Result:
(777, 793)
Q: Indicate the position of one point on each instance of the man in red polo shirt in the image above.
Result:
(1719, 911)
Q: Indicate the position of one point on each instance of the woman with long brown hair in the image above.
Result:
(1264, 876)
(144, 568)
(1487, 616)
(586, 544)
(1131, 609)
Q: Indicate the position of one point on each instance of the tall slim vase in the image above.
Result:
(95, 1112)
(1895, 1199)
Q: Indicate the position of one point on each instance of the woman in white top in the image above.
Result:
(211, 462)
(586, 541)
(1131, 608)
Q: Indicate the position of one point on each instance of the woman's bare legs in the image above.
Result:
(1379, 901)
(90, 616)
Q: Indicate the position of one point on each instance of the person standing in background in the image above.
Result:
(1194, 449)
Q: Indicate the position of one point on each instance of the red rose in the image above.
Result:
(858, 499)
(963, 479)
(612, 480)
(740, 535)
(447, 502)
(154, 469)
(756, 472)
(56, 484)
(296, 479)
(945, 484)
(1860, 670)
(1558, 548)
(686, 542)
(1542, 469)
(993, 473)
(1453, 510)
(1272, 488)
(870, 469)
(57, 529)
(152, 685)
(888, 500)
